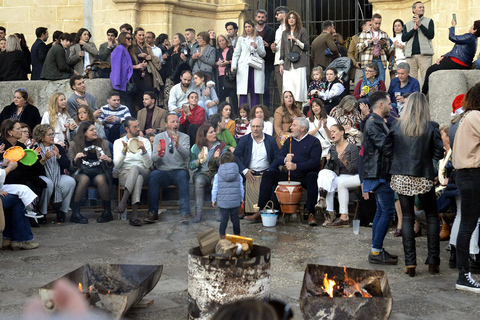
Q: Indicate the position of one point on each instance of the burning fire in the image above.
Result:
(329, 285)
(80, 287)
(108, 291)
(351, 287)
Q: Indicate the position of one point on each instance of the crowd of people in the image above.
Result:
(194, 107)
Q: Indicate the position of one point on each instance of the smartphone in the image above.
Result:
(455, 18)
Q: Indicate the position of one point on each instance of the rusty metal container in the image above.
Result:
(215, 282)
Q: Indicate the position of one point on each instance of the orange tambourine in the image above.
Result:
(15, 153)
(163, 147)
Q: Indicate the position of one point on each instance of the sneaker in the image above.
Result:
(6, 244)
(27, 245)
(339, 223)
(381, 258)
(33, 214)
(467, 283)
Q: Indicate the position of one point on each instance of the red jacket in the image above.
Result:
(197, 117)
(356, 93)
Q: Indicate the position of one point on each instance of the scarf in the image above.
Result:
(365, 82)
(52, 171)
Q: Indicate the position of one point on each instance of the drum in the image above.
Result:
(30, 157)
(163, 147)
(133, 145)
(289, 195)
(14, 153)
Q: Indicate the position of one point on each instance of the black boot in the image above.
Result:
(76, 217)
(452, 263)
(107, 212)
(60, 213)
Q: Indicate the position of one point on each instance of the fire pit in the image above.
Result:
(344, 293)
(114, 288)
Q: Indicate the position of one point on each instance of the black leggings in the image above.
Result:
(83, 182)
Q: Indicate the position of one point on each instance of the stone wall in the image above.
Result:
(40, 91)
(444, 86)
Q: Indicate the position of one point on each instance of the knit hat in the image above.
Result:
(457, 105)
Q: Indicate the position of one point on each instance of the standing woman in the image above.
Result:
(22, 109)
(91, 161)
(320, 124)
(83, 52)
(293, 54)
(413, 143)
(284, 116)
(123, 63)
(175, 61)
(203, 57)
(57, 116)
(249, 80)
(13, 63)
(398, 54)
(224, 61)
(25, 49)
(466, 155)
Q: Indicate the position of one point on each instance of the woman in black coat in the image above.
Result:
(13, 63)
(22, 109)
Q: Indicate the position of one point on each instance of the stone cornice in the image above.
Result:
(202, 5)
(393, 4)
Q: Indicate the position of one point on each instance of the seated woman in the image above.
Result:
(91, 161)
(85, 114)
(193, 116)
(347, 110)
(225, 109)
(340, 174)
(223, 135)
(370, 80)
(208, 98)
(283, 117)
(335, 90)
(57, 116)
(17, 233)
(204, 157)
(26, 138)
(462, 55)
(22, 109)
(320, 124)
(59, 184)
(261, 112)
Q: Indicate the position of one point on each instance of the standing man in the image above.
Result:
(55, 37)
(151, 118)
(375, 175)
(417, 35)
(280, 14)
(170, 168)
(268, 36)
(39, 52)
(353, 53)
(191, 41)
(81, 97)
(374, 47)
(232, 32)
(324, 49)
(113, 116)
(106, 48)
(126, 27)
(179, 93)
(150, 40)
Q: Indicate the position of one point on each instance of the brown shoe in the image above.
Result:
(444, 232)
(329, 217)
(256, 217)
(152, 217)
(321, 204)
(339, 223)
(312, 221)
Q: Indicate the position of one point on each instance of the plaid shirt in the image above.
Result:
(366, 48)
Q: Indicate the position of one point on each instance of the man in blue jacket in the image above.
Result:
(39, 52)
(303, 162)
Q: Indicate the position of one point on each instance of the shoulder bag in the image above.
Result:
(293, 56)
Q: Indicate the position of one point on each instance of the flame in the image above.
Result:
(90, 289)
(108, 291)
(328, 284)
(352, 283)
(80, 287)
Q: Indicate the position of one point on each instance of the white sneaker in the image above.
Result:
(33, 214)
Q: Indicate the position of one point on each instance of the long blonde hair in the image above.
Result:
(415, 115)
(53, 108)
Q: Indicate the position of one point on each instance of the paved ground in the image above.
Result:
(67, 246)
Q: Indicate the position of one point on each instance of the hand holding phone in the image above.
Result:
(455, 18)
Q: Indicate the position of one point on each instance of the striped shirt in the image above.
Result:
(122, 112)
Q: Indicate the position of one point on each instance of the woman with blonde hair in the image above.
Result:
(412, 144)
(57, 116)
(347, 110)
(13, 63)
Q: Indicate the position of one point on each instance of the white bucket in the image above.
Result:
(269, 219)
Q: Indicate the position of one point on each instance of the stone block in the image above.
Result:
(15, 3)
(71, 26)
(70, 13)
(53, 2)
(40, 91)
(42, 14)
(75, 2)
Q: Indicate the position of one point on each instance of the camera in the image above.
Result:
(185, 50)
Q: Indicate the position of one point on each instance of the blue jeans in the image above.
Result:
(231, 213)
(381, 75)
(385, 199)
(17, 226)
(266, 92)
(477, 64)
(162, 179)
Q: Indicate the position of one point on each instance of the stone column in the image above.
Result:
(88, 16)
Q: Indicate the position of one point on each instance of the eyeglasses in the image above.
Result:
(170, 148)
(369, 70)
(50, 135)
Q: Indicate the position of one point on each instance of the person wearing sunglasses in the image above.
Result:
(171, 150)
(133, 160)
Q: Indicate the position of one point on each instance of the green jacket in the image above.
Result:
(227, 138)
(210, 168)
(55, 66)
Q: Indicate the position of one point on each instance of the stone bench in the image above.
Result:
(444, 86)
(41, 90)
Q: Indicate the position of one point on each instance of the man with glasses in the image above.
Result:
(170, 156)
(280, 14)
(133, 162)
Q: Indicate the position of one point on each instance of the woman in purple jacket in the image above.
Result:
(122, 69)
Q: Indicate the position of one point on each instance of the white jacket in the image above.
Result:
(240, 62)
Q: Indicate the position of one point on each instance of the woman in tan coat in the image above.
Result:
(82, 53)
(284, 116)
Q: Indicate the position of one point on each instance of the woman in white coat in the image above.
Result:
(250, 80)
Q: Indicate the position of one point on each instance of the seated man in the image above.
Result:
(113, 115)
(171, 168)
(152, 117)
(303, 162)
(179, 93)
(254, 154)
(81, 97)
(401, 85)
(133, 167)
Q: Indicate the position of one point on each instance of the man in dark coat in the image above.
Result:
(268, 36)
(324, 49)
(39, 52)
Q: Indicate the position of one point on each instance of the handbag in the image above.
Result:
(90, 171)
(131, 87)
(230, 78)
(293, 56)
(255, 62)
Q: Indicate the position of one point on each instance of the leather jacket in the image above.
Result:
(375, 164)
(413, 156)
(465, 46)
